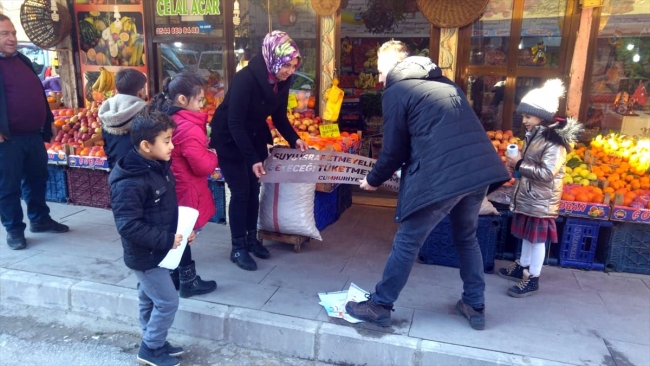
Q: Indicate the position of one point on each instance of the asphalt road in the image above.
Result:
(33, 336)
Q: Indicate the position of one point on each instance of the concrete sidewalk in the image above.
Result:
(579, 318)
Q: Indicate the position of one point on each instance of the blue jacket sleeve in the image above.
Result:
(396, 143)
(127, 200)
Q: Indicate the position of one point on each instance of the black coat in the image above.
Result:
(432, 133)
(143, 198)
(46, 130)
(239, 128)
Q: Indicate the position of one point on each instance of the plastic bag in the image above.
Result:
(334, 97)
(487, 208)
(288, 208)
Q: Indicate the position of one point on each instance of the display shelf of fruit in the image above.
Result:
(90, 157)
(585, 201)
(633, 206)
(57, 153)
(500, 140)
(78, 125)
(307, 126)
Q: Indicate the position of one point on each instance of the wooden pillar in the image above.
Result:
(68, 74)
(579, 63)
(328, 48)
(448, 52)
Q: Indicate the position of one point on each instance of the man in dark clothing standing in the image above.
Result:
(25, 122)
(448, 165)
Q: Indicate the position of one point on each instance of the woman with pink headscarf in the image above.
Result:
(240, 135)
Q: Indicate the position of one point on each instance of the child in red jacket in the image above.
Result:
(192, 163)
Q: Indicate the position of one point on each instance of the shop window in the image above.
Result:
(295, 18)
(204, 58)
(490, 40)
(365, 26)
(514, 44)
(486, 94)
(620, 70)
(541, 33)
(188, 18)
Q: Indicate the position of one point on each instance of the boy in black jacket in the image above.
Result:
(145, 208)
(117, 113)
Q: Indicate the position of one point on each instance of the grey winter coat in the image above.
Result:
(539, 189)
(432, 133)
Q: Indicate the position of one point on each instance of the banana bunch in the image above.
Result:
(137, 50)
(105, 82)
(366, 81)
(371, 62)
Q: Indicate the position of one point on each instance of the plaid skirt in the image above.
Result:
(534, 229)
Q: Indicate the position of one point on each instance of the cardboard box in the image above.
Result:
(88, 162)
(630, 214)
(585, 210)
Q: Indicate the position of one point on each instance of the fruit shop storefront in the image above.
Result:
(180, 38)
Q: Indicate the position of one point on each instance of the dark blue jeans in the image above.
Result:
(23, 173)
(414, 230)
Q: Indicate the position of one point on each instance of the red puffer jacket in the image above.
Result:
(192, 163)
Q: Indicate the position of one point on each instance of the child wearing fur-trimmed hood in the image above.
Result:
(540, 170)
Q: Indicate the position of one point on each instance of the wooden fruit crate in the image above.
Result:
(295, 240)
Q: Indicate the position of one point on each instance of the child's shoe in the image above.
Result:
(173, 351)
(528, 286)
(515, 272)
(155, 357)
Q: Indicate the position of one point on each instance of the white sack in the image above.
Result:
(288, 208)
(487, 208)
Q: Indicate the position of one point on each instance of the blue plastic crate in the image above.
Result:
(629, 248)
(344, 199)
(579, 241)
(439, 247)
(325, 208)
(57, 184)
(218, 190)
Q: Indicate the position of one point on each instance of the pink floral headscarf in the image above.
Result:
(278, 50)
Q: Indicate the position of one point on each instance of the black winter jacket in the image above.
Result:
(239, 129)
(46, 131)
(432, 133)
(143, 197)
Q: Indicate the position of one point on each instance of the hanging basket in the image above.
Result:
(451, 13)
(325, 7)
(36, 19)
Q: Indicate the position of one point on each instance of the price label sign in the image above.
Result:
(330, 130)
(292, 102)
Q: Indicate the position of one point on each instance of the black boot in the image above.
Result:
(191, 284)
(239, 255)
(528, 286)
(174, 274)
(255, 246)
(515, 272)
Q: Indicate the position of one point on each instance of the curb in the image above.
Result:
(294, 337)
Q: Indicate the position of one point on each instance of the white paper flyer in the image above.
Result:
(334, 302)
(186, 219)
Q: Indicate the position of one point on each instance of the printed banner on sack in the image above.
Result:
(286, 165)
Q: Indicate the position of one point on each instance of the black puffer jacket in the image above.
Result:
(145, 208)
(432, 133)
(239, 129)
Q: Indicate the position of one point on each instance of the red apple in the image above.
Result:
(58, 138)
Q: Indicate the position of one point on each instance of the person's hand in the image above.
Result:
(511, 161)
(177, 241)
(190, 240)
(213, 151)
(300, 144)
(2, 138)
(365, 186)
(258, 170)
